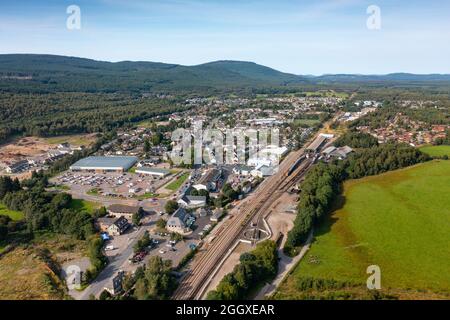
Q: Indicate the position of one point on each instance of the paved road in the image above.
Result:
(115, 264)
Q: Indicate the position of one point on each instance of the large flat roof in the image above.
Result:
(316, 143)
(105, 163)
(160, 171)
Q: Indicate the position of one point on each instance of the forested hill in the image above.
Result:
(49, 73)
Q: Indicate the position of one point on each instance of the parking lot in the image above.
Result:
(114, 185)
(161, 244)
(168, 251)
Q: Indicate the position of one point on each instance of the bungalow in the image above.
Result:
(118, 227)
(192, 202)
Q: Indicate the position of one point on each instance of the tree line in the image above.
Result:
(254, 268)
(45, 210)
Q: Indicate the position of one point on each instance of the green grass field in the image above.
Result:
(174, 185)
(14, 215)
(399, 221)
(436, 151)
(308, 122)
(87, 206)
(146, 195)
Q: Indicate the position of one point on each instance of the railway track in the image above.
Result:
(197, 278)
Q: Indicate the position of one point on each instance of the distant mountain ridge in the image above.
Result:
(62, 73)
(386, 77)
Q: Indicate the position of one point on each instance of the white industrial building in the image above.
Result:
(159, 172)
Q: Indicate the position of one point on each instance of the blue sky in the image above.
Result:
(302, 37)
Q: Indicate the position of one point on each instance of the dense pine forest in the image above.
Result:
(71, 113)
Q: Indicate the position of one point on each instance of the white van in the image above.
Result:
(109, 248)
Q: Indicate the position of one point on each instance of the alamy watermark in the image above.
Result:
(374, 20)
(374, 280)
(73, 21)
(73, 277)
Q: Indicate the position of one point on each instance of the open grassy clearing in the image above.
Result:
(306, 122)
(84, 205)
(174, 185)
(398, 221)
(26, 275)
(77, 139)
(327, 93)
(436, 151)
(14, 215)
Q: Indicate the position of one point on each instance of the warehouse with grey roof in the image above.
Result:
(104, 164)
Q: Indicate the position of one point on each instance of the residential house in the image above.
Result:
(116, 283)
(118, 227)
(104, 223)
